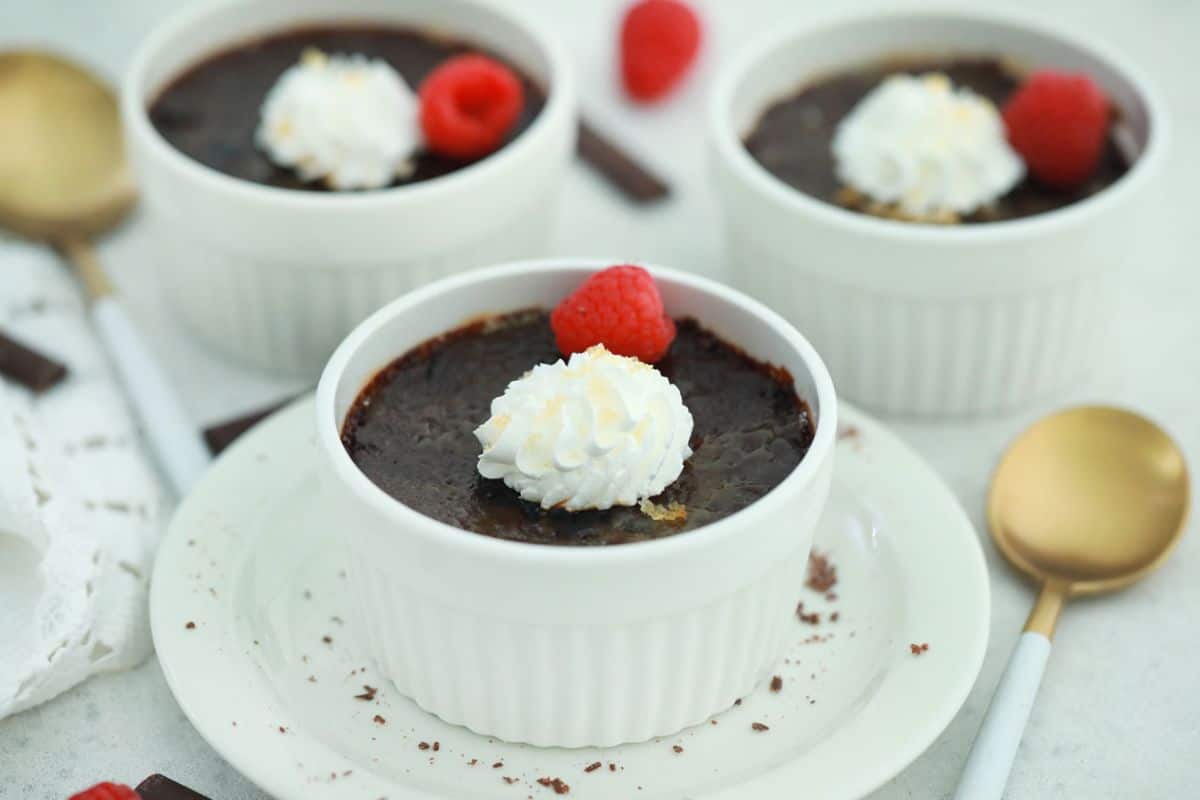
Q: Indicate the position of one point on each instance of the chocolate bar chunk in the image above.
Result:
(160, 787)
(29, 367)
(635, 180)
(223, 434)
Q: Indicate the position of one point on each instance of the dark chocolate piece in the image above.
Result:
(160, 787)
(29, 367)
(618, 167)
(223, 434)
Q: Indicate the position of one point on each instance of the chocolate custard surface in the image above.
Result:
(211, 111)
(411, 431)
(793, 140)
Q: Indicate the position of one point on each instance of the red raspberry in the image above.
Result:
(1058, 122)
(468, 105)
(659, 42)
(618, 307)
(106, 791)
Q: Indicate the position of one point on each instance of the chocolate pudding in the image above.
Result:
(211, 111)
(793, 139)
(411, 432)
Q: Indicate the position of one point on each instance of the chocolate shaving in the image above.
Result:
(822, 574)
(812, 618)
(595, 765)
(557, 784)
(758, 726)
(636, 181)
(367, 694)
(379, 720)
(28, 367)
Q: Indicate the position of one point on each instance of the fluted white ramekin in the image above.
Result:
(277, 277)
(929, 320)
(572, 646)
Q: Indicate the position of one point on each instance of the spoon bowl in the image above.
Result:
(63, 173)
(1092, 497)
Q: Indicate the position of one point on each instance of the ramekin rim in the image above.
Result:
(135, 111)
(458, 540)
(728, 143)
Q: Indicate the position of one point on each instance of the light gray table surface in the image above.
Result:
(1119, 711)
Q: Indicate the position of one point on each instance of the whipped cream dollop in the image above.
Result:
(928, 148)
(349, 121)
(597, 431)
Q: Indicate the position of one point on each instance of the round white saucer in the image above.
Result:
(251, 618)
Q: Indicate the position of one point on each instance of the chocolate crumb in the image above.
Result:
(380, 720)
(758, 726)
(612, 767)
(472, 762)
(822, 574)
(423, 746)
(713, 721)
(677, 748)
(191, 626)
(312, 678)
(498, 765)
(327, 639)
(737, 702)
(917, 649)
(437, 746)
(282, 729)
(557, 784)
(776, 684)
(368, 693)
(810, 618)
(595, 765)
(508, 780)
(834, 616)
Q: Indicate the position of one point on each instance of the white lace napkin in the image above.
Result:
(79, 501)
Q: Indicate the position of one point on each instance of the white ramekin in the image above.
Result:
(926, 320)
(277, 277)
(572, 646)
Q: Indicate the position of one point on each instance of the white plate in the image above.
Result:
(249, 582)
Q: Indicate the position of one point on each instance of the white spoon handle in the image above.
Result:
(991, 758)
(172, 436)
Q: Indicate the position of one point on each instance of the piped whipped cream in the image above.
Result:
(597, 431)
(349, 121)
(922, 145)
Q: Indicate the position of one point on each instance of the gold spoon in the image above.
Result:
(64, 179)
(1088, 500)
